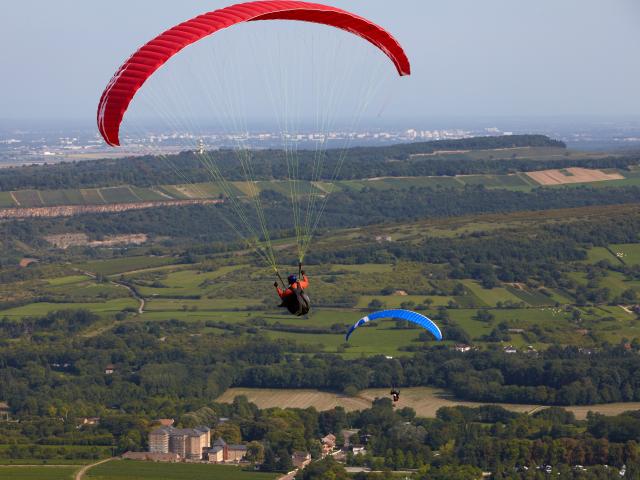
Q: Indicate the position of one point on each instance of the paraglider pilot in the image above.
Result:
(294, 298)
(395, 393)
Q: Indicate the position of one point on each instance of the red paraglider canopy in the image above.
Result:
(143, 63)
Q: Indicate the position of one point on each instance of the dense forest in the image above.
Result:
(158, 361)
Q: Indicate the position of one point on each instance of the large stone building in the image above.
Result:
(224, 453)
(159, 440)
(188, 443)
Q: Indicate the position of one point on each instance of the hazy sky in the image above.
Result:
(470, 57)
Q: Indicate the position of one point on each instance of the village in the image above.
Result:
(197, 445)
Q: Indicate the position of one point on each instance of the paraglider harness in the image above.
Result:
(299, 303)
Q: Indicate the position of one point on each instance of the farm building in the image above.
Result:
(225, 453)
(4, 411)
(328, 444)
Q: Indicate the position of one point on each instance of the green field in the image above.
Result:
(69, 280)
(630, 253)
(42, 308)
(199, 190)
(125, 264)
(380, 338)
(6, 200)
(402, 182)
(193, 295)
(229, 291)
(28, 198)
(134, 470)
(394, 301)
(597, 254)
(40, 461)
(118, 195)
(89, 290)
(285, 187)
(616, 282)
(62, 197)
(202, 305)
(171, 192)
(363, 268)
(127, 193)
(531, 297)
(187, 282)
(37, 472)
(491, 296)
(148, 194)
(496, 181)
(92, 196)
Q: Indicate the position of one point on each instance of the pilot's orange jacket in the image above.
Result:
(303, 284)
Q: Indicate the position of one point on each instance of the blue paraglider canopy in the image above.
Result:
(407, 315)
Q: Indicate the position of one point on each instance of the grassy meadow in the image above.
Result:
(41, 472)
(135, 470)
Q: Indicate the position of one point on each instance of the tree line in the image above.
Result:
(363, 162)
(159, 360)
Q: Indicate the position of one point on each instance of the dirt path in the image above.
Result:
(132, 290)
(15, 200)
(134, 294)
(80, 473)
(288, 476)
(536, 409)
(627, 309)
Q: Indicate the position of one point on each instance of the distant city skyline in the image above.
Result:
(496, 58)
(66, 143)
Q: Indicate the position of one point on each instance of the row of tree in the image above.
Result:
(363, 162)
